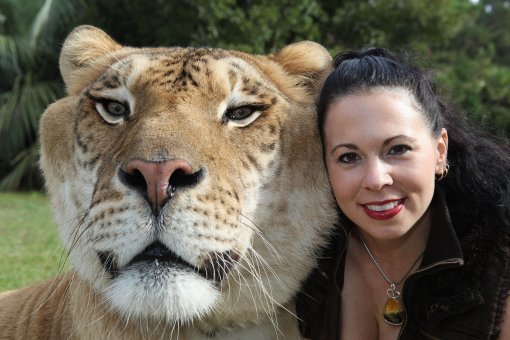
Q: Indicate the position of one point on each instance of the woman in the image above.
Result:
(423, 247)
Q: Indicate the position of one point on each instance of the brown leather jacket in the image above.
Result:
(458, 292)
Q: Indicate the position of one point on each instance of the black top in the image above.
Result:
(450, 296)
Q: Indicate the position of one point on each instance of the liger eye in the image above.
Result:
(115, 108)
(240, 113)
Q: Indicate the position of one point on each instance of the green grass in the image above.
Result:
(30, 250)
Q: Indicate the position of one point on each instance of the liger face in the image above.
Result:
(172, 182)
(382, 159)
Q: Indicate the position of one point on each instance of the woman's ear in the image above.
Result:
(442, 151)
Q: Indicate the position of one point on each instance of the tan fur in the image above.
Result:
(260, 204)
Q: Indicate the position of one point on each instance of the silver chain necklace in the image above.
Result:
(394, 308)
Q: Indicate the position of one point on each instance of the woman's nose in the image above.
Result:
(377, 175)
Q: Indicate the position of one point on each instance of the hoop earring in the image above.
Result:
(444, 172)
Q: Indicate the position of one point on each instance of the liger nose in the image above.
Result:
(157, 176)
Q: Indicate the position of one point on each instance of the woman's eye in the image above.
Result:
(115, 108)
(240, 113)
(348, 158)
(399, 149)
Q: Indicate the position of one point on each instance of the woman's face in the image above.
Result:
(382, 160)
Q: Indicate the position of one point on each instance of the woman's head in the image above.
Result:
(377, 67)
(383, 142)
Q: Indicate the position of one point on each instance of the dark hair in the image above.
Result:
(477, 187)
(378, 67)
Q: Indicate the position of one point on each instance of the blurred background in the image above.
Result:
(466, 42)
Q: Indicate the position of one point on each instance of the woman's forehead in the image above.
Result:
(381, 113)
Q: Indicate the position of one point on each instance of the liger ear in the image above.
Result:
(307, 60)
(83, 47)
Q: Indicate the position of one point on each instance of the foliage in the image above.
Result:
(260, 26)
(467, 42)
(251, 26)
(475, 67)
(28, 84)
(391, 23)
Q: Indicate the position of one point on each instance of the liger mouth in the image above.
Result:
(215, 268)
(157, 251)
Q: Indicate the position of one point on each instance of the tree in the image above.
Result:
(392, 23)
(28, 84)
(251, 26)
(475, 66)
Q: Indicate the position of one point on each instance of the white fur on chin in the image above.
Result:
(172, 294)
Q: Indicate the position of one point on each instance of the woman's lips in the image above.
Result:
(383, 210)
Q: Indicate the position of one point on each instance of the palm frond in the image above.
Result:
(53, 15)
(42, 19)
(8, 55)
(7, 46)
(27, 87)
(8, 101)
(21, 110)
(24, 170)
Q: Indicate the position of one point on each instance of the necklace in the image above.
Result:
(394, 307)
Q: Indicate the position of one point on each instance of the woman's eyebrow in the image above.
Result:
(344, 145)
(385, 143)
(404, 137)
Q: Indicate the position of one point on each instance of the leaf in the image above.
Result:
(23, 171)
(28, 86)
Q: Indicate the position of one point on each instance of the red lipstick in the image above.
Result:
(386, 213)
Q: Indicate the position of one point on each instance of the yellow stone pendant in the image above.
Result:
(394, 309)
(393, 312)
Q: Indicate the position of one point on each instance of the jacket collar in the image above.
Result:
(443, 244)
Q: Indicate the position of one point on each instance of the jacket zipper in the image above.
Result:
(445, 263)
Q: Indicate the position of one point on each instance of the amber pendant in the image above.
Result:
(394, 309)
(393, 312)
